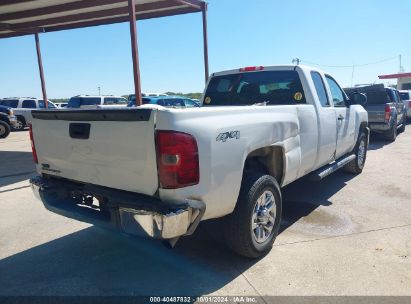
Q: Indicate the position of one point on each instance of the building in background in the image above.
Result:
(403, 80)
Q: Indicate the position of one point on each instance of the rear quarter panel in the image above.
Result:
(293, 128)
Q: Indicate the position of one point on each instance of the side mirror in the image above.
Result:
(358, 98)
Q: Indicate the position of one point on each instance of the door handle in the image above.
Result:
(340, 117)
(79, 130)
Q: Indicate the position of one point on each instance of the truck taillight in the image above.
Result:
(33, 147)
(387, 113)
(177, 159)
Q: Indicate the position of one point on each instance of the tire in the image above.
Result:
(4, 129)
(404, 122)
(392, 134)
(257, 190)
(20, 124)
(357, 164)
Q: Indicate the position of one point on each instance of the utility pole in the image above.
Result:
(296, 60)
(98, 88)
(401, 67)
(352, 75)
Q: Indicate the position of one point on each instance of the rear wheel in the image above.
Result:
(392, 133)
(404, 122)
(357, 164)
(252, 228)
(4, 129)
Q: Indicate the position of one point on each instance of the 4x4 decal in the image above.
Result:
(228, 135)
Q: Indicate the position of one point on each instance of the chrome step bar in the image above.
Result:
(331, 168)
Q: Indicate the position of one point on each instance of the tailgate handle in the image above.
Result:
(79, 130)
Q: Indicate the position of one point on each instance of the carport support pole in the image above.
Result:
(40, 62)
(204, 12)
(134, 50)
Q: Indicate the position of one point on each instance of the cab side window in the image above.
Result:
(336, 92)
(109, 100)
(320, 88)
(29, 103)
(397, 97)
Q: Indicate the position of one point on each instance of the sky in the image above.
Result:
(240, 33)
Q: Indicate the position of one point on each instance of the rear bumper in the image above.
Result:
(121, 210)
(379, 127)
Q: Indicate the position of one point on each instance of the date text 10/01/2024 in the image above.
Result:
(204, 299)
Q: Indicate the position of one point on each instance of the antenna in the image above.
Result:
(296, 60)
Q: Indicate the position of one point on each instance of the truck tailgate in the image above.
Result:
(376, 113)
(113, 148)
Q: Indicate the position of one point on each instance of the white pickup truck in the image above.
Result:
(159, 171)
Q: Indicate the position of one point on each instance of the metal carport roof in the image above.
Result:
(25, 17)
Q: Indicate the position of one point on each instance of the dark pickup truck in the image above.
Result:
(7, 121)
(386, 111)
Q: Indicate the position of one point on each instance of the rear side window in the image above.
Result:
(109, 100)
(174, 102)
(114, 100)
(90, 101)
(269, 87)
(393, 97)
(76, 102)
(405, 96)
(320, 88)
(29, 103)
(397, 96)
(12, 103)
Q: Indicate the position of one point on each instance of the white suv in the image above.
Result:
(89, 101)
(22, 107)
(406, 98)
